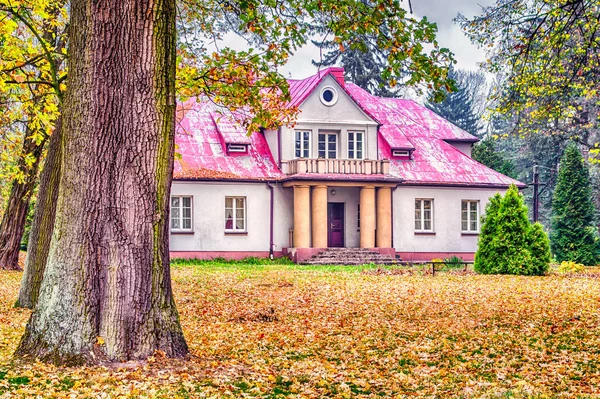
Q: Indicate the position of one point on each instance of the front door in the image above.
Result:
(335, 224)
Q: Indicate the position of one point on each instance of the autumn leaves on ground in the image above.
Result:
(288, 331)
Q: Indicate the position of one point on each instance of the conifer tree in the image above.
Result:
(485, 152)
(362, 65)
(512, 255)
(484, 256)
(574, 236)
(457, 106)
(508, 243)
(539, 245)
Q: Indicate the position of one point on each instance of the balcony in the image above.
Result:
(336, 166)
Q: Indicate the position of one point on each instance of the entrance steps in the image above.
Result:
(350, 256)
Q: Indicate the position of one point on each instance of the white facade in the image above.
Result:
(446, 235)
(209, 233)
(341, 118)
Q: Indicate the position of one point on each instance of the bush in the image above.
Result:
(539, 244)
(454, 262)
(574, 236)
(508, 242)
(569, 266)
(486, 243)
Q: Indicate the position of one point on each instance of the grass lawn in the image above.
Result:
(291, 331)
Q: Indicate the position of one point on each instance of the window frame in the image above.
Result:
(234, 209)
(334, 96)
(468, 211)
(302, 141)
(237, 148)
(354, 141)
(422, 218)
(400, 153)
(181, 229)
(337, 144)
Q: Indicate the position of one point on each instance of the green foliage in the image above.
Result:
(251, 260)
(484, 257)
(486, 153)
(509, 243)
(28, 222)
(539, 245)
(454, 262)
(574, 236)
(363, 65)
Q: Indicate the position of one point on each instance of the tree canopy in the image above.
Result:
(547, 54)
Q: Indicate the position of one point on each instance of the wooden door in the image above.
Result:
(335, 224)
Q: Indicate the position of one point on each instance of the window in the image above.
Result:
(181, 213)
(423, 215)
(400, 153)
(470, 216)
(302, 144)
(355, 145)
(237, 148)
(329, 96)
(328, 145)
(235, 214)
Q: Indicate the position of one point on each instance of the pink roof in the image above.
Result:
(201, 154)
(230, 131)
(403, 124)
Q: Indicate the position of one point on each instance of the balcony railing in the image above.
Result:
(334, 166)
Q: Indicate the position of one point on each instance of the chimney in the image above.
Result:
(338, 74)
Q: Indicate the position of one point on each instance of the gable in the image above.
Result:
(345, 110)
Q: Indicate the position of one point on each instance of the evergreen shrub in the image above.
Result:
(508, 242)
(573, 235)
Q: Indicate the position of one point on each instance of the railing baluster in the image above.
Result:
(345, 166)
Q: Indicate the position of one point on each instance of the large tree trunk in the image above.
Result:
(106, 292)
(43, 223)
(15, 214)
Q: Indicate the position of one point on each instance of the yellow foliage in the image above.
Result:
(310, 332)
(567, 267)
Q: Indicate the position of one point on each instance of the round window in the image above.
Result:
(329, 96)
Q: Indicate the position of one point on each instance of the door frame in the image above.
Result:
(343, 206)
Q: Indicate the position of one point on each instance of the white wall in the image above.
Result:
(446, 219)
(209, 217)
(465, 148)
(271, 137)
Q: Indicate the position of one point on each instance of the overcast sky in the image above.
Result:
(449, 35)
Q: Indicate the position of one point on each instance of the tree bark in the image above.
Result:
(43, 223)
(12, 226)
(106, 292)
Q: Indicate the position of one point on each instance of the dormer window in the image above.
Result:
(402, 154)
(329, 96)
(237, 148)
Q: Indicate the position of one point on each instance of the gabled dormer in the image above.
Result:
(232, 136)
(330, 126)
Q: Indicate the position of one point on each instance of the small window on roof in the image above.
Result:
(237, 148)
(329, 96)
(400, 153)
